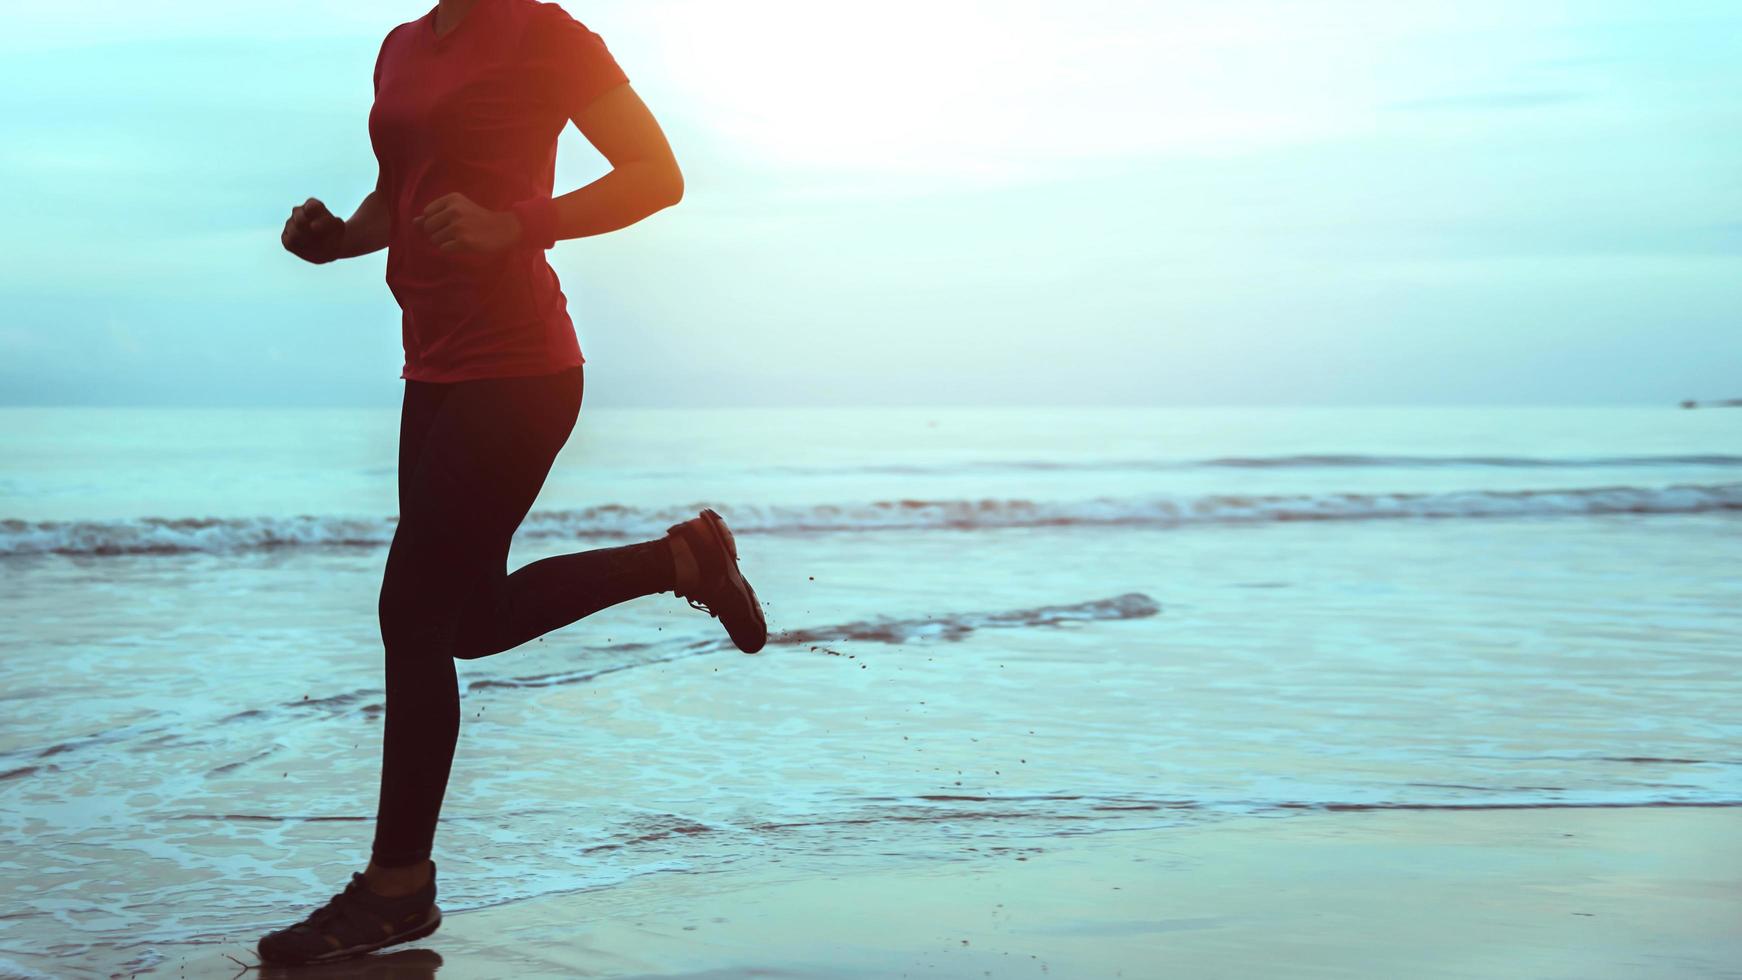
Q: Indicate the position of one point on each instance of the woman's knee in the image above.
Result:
(442, 584)
(411, 606)
(475, 628)
(403, 621)
(432, 617)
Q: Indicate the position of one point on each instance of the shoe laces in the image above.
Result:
(699, 604)
(333, 909)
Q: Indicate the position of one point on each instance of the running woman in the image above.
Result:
(469, 101)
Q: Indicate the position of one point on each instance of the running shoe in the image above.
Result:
(354, 922)
(714, 584)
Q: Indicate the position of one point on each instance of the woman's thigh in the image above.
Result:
(474, 457)
(417, 415)
(490, 448)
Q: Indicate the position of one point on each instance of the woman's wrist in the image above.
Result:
(347, 247)
(537, 217)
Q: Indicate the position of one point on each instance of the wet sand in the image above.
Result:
(1587, 893)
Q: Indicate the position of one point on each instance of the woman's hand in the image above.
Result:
(312, 233)
(455, 224)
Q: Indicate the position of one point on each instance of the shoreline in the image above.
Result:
(1563, 892)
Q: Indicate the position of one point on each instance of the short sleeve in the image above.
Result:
(381, 55)
(570, 64)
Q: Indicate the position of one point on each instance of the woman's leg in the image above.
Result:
(473, 456)
(551, 593)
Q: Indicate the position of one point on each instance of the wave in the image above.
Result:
(157, 535)
(1503, 462)
(957, 808)
(1286, 462)
(1131, 605)
(165, 535)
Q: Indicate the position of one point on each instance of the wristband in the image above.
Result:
(537, 221)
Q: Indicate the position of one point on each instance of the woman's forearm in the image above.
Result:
(619, 199)
(366, 229)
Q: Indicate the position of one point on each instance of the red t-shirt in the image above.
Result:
(478, 110)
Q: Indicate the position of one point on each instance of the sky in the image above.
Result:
(946, 202)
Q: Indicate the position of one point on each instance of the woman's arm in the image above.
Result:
(316, 235)
(644, 178)
(644, 175)
(366, 229)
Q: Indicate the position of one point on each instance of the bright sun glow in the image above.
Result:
(984, 89)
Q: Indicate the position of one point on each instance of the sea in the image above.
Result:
(992, 630)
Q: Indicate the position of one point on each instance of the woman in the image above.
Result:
(469, 101)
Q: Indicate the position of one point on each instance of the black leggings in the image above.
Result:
(472, 458)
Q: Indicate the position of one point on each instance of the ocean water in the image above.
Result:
(992, 629)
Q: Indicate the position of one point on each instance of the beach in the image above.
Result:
(1100, 693)
(1584, 893)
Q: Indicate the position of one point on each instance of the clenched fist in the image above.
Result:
(313, 233)
(454, 223)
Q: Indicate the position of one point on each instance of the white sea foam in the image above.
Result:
(10, 970)
(1299, 461)
(171, 535)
